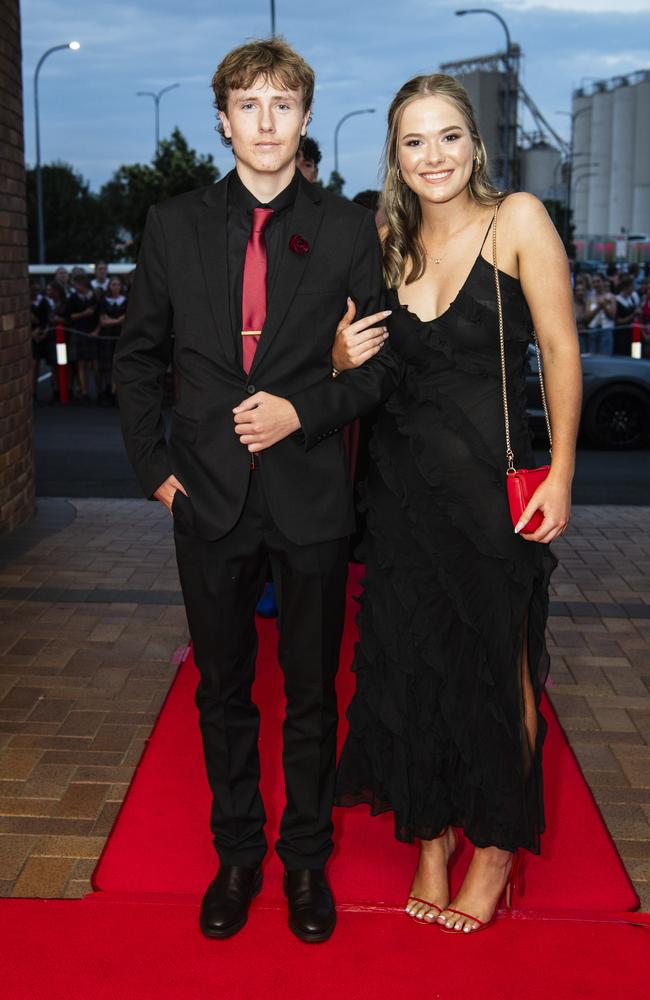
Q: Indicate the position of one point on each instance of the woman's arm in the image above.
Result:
(356, 343)
(544, 275)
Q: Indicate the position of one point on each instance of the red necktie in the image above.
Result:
(253, 311)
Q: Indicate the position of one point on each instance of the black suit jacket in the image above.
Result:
(182, 283)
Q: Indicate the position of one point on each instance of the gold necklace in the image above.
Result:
(437, 259)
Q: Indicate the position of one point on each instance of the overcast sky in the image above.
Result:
(362, 51)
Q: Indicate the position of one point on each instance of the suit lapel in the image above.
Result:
(305, 221)
(213, 248)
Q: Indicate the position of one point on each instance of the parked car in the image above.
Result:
(615, 404)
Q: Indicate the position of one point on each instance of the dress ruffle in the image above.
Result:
(451, 595)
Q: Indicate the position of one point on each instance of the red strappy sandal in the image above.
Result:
(426, 902)
(515, 880)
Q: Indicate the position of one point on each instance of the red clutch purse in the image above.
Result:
(520, 483)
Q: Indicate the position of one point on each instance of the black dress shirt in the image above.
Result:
(276, 236)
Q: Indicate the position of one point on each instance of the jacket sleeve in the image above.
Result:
(141, 359)
(325, 407)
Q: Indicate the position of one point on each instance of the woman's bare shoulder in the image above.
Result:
(521, 209)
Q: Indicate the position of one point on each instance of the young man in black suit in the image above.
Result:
(254, 272)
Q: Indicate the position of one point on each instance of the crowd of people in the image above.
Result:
(608, 306)
(91, 312)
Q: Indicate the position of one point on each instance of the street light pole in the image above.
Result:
(272, 18)
(156, 101)
(40, 220)
(507, 143)
(569, 174)
(350, 114)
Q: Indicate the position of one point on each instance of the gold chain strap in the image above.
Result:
(502, 355)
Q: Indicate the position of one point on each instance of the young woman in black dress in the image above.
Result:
(445, 727)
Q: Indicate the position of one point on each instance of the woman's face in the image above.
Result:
(579, 287)
(115, 287)
(434, 149)
(597, 284)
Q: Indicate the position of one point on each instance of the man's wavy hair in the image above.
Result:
(273, 60)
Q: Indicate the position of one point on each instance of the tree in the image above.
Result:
(336, 182)
(77, 225)
(557, 211)
(135, 187)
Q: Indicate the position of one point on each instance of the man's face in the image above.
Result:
(307, 167)
(265, 123)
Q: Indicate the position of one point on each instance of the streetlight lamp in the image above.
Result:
(156, 101)
(40, 224)
(350, 114)
(507, 143)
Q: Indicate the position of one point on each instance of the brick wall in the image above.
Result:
(16, 461)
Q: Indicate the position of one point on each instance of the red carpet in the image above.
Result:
(161, 842)
(136, 938)
(126, 950)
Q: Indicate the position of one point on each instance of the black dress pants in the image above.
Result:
(222, 582)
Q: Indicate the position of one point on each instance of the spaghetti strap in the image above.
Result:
(487, 232)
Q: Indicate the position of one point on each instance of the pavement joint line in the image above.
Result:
(114, 595)
(94, 595)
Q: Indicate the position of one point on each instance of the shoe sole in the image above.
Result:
(234, 928)
(311, 938)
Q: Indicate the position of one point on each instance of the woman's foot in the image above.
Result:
(482, 888)
(430, 889)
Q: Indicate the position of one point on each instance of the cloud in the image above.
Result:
(590, 7)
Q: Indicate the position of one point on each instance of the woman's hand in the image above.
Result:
(358, 342)
(553, 499)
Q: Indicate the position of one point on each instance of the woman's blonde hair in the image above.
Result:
(401, 205)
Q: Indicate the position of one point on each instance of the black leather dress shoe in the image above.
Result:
(224, 909)
(312, 916)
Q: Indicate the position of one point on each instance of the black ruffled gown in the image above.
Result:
(454, 602)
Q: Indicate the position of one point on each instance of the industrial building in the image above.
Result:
(519, 158)
(610, 184)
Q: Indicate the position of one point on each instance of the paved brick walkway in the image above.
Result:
(92, 619)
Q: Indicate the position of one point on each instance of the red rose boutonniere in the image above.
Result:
(298, 244)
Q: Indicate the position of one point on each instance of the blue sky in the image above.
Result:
(362, 51)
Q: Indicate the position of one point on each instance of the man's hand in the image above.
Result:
(262, 420)
(165, 493)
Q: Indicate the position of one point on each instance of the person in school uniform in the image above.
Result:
(83, 319)
(112, 310)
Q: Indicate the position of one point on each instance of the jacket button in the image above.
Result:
(251, 390)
